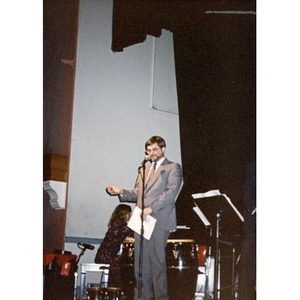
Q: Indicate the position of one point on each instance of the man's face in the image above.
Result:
(155, 152)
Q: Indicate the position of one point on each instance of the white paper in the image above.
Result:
(213, 193)
(233, 207)
(183, 227)
(135, 223)
(201, 215)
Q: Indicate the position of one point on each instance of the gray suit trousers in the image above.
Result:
(154, 266)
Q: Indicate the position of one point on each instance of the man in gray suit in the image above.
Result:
(163, 180)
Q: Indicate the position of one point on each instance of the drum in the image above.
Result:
(201, 255)
(127, 256)
(100, 293)
(127, 268)
(182, 263)
(181, 253)
(113, 293)
(95, 293)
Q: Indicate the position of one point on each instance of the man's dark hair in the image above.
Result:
(156, 139)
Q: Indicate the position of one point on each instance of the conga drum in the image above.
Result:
(127, 256)
(182, 263)
(127, 268)
(96, 293)
(114, 293)
(201, 249)
(101, 293)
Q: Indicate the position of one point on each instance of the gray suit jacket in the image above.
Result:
(160, 194)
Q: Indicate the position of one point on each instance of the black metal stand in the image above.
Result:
(217, 266)
(215, 209)
(77, 263)
(217, 260)
(208, 262)
(140, 281)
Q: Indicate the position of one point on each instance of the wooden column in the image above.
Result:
(60, 45)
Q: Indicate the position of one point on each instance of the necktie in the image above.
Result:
(151, 173)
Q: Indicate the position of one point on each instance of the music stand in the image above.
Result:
(212, 207)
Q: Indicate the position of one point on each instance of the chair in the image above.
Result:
(92, 267)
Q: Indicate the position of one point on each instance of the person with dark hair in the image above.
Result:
(163, 180)
(108, 250)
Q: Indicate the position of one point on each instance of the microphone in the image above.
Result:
(146, 159)
(86, 246)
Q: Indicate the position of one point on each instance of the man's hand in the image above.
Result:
(147, 211)
(113, 190)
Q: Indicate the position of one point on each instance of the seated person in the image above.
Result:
(108, 251)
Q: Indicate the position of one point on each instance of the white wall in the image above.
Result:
(113, 117)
